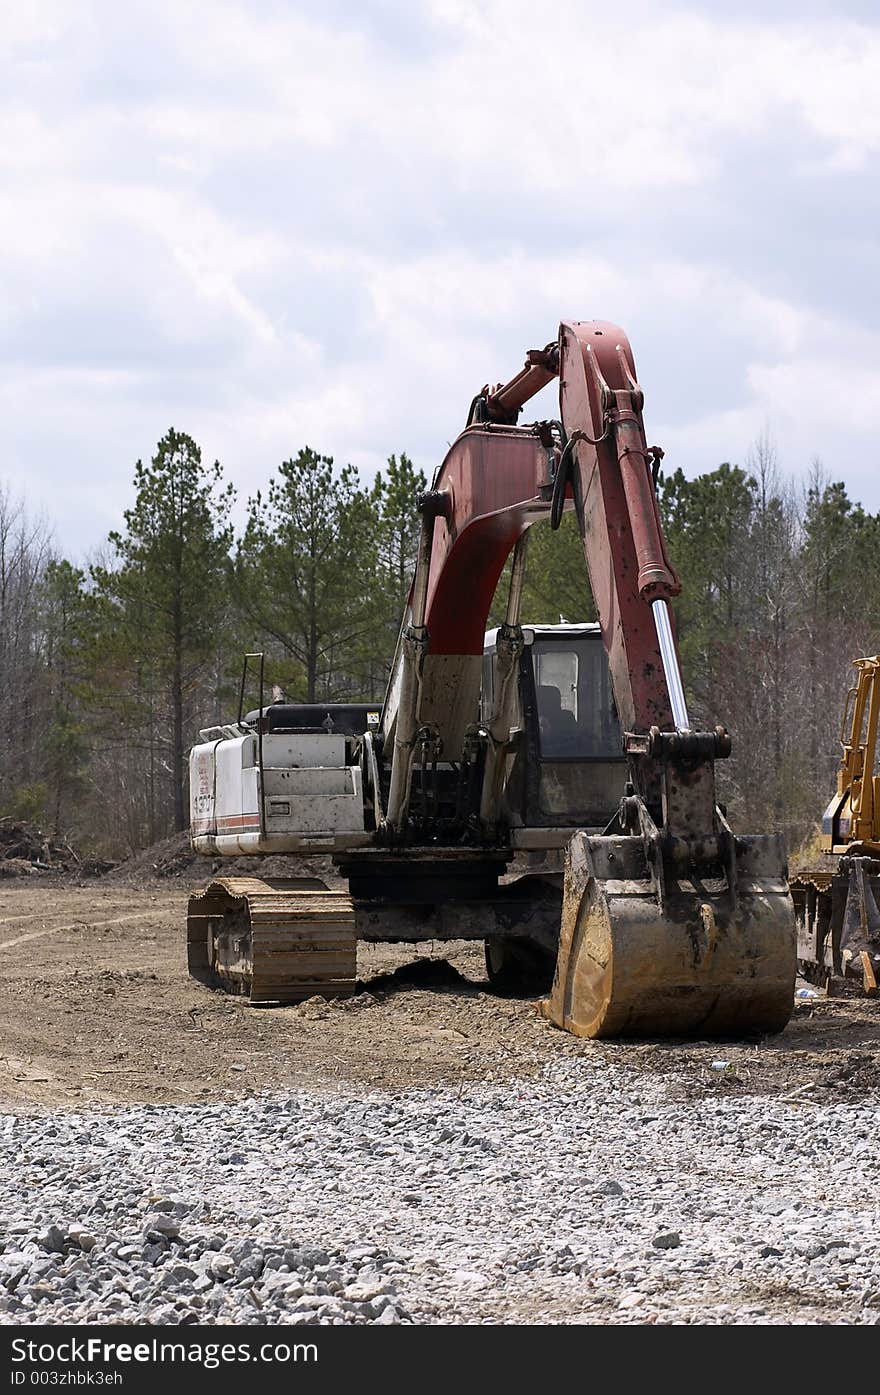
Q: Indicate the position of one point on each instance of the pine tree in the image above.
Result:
(168, 590)
(64, 621)
(398, 524)
(304, 571)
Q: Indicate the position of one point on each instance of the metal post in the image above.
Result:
(260, 753)
(262, 658)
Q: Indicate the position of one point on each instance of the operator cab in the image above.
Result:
(569, 766)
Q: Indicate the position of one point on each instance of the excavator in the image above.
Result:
(835, 904)
(568, 744)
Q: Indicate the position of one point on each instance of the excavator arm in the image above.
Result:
(851, 823)
(497, 480)
(670, 921)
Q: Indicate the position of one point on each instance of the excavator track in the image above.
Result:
(276, 942)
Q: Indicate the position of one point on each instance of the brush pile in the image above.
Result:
(25, 851)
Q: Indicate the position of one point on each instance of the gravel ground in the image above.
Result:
(593, 1193)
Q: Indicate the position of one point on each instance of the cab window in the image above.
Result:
(576, 713)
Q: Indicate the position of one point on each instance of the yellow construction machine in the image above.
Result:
(835, 904)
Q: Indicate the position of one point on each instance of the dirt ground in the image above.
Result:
(96, 1008)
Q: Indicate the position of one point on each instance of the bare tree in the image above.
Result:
(25, 548)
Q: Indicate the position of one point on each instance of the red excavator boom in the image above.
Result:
(499, 479)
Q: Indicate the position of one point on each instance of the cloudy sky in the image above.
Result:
(272, 224)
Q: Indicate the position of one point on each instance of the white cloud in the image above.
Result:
(511, 94)
(271, 225)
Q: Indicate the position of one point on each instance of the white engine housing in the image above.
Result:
(305, 796)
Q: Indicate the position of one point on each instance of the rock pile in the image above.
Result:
(178, 1266)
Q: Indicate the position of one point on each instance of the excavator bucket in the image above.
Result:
(686, 957)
